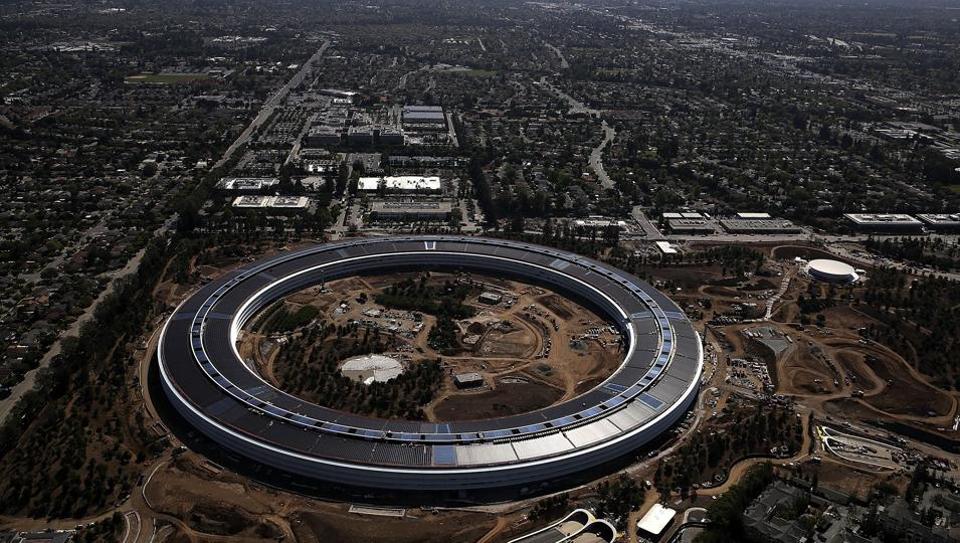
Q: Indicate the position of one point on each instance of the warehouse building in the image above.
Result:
(387, 210)
(424, 115)
(468, 380)
(247, 184)
(322, 136)
(360, 135)
(600, 222)
(760, 226)
(655, 522)
(691, 226)
(666, 248)
(884, 222)
(341, 94)
(390, 136)
(404, 161)
(273, 202)
(941, 222)
(407, 184)
(327, 167)
(490, 298)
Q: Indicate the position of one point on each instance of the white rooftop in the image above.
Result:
(832, 267)
(247, 183)
(400, 182)
(289, 202)
(656, 519)
(882, 218)
(665, 247)
(373, 368)
(940, 217)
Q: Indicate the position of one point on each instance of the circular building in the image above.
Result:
(207, 382)
(371, 368)
(832, 271)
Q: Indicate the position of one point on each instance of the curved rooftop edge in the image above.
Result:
(208, 383)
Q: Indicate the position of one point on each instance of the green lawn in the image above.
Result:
(165, 79)
(478, 73)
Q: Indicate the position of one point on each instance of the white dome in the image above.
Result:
(832, 270)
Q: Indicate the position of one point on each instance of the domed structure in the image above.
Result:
(832, 271)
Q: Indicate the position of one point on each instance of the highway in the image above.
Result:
(563, 60)
(576, 106)
(650, 230)
(273, 102)
(596, 156)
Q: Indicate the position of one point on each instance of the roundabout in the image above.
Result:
(219, 395)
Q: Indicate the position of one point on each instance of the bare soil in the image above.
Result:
(348, 528)
(558, 347)
(506, 399)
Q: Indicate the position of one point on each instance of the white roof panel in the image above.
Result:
(592, 433)
(485, 453)
(541, 446)
(656, 519)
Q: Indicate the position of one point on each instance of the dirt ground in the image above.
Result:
(534, 349)
(807, 372)
(506, 399)
(429, 528)
(848, 479)
(789, 252)
(205, 503)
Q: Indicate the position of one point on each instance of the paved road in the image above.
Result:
(652, 232)
(132, 527)
(452, 131)
(402, 82)
(6, 405)
(576, 106)
(784, 285)
(563, 60)
(596, 156)
(277, 98)
(273, 102)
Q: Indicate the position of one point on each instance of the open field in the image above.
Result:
(165, 78)
(508, 398)
(450, 526)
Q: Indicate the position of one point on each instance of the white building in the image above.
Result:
(884, 222)
(832, 271)
(655, 521)
(665, 247)
(248, 184)
(400, 183)
(275, 202)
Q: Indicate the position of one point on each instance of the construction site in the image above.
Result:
(530, 347)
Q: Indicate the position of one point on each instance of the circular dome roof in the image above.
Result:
(832, 268)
